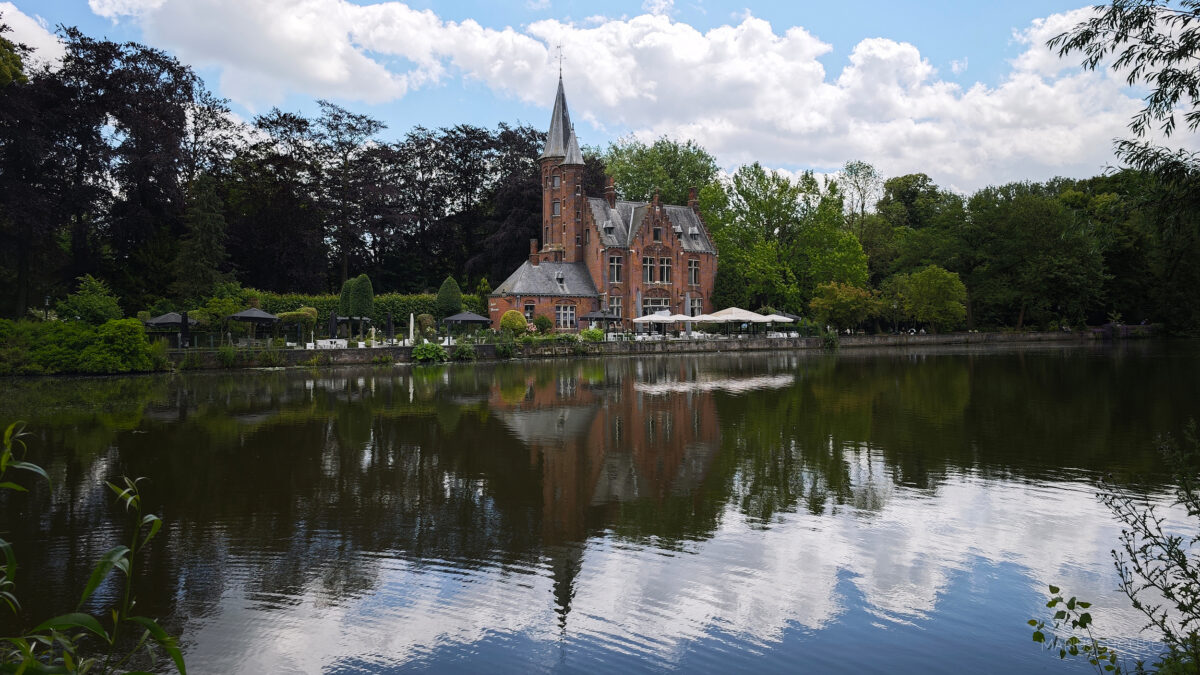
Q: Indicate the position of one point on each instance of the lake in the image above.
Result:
(899, 510)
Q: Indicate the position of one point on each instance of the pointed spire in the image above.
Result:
(559, 135)
(573, 156)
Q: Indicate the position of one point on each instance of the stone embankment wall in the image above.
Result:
(201, 358)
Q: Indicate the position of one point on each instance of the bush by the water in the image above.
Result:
(464, 352)
(513, 322)
(53, 347)
(428, 352)
(592, 335)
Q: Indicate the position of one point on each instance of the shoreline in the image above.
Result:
(195, 359)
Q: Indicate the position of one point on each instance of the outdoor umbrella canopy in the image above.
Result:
(654, 318)
(168, 320)
(780, 318)
(253, 315)
(466, 317)
(739, 315)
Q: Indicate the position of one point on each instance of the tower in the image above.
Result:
(562, 187)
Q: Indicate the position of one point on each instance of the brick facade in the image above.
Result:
(673, 237)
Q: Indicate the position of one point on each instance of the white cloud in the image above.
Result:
(31, 31)
(746, 91)
(537, 4)
(658, 6)
(959, 66)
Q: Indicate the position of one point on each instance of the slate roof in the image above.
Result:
(542, 279)
(558, 140)
(627, 217)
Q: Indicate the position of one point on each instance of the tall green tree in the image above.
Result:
(202, 260)
(12, 63)
(934, 297)
(362, 300)
(667, 166)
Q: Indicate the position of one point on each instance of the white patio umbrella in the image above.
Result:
(739, 315)
(779, 318)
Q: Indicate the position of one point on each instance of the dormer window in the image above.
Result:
(694, 232)
(658, 234)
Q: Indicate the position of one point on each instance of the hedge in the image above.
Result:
(399, 305)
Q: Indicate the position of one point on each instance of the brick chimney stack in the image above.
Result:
(693, 201)
(610, 193)
(533, 252)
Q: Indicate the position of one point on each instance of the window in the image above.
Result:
(587, 236)
(694, 272)
(529, 307)
(614, 269)
(652, 305)
(648, 269)
(697, 307)
(564, 316)
(658, 234)
(555, 208)
(555, 181)
(614, 307)
(664, 270)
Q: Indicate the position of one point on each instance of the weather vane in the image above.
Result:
(560, 60)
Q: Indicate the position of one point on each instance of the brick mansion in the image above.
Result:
(601, 253)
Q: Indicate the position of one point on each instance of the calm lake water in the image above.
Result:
(897, 511)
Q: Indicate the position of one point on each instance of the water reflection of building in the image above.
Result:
(601, 441)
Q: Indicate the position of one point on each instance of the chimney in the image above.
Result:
(533, 252)
(610, 193)
(656, 196)
(693, 201)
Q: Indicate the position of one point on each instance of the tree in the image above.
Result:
(933, 296)
(92, 303)
(346, 297)
(843, 305)
(862, 183)
(12, 66)
(361, 300)
(343, 137)
(200, 264)
(449, 298)
(668, 167)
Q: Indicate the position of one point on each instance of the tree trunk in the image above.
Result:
(1021, 317)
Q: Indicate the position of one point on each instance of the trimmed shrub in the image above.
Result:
(543, 324)
(428, 352)
(513, 322)
(449, 298)
(592, 335)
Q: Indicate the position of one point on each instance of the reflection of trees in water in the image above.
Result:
(281, 481)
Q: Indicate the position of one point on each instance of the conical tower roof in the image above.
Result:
(573, 156)
(559, 138)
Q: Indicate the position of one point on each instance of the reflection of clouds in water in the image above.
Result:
(746, 580)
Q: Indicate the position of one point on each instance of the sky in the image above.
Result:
(966, 92)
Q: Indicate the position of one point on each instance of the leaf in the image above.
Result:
(9, 485)
(1054, 589)
(10, 560)
(1084, 620)
(1032, 622)
(155, 524)
(1083, 604)
(31, 467)
(166, 641)
(1071, 603)
(101, 570)
(73, 620)
(1039, 636)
